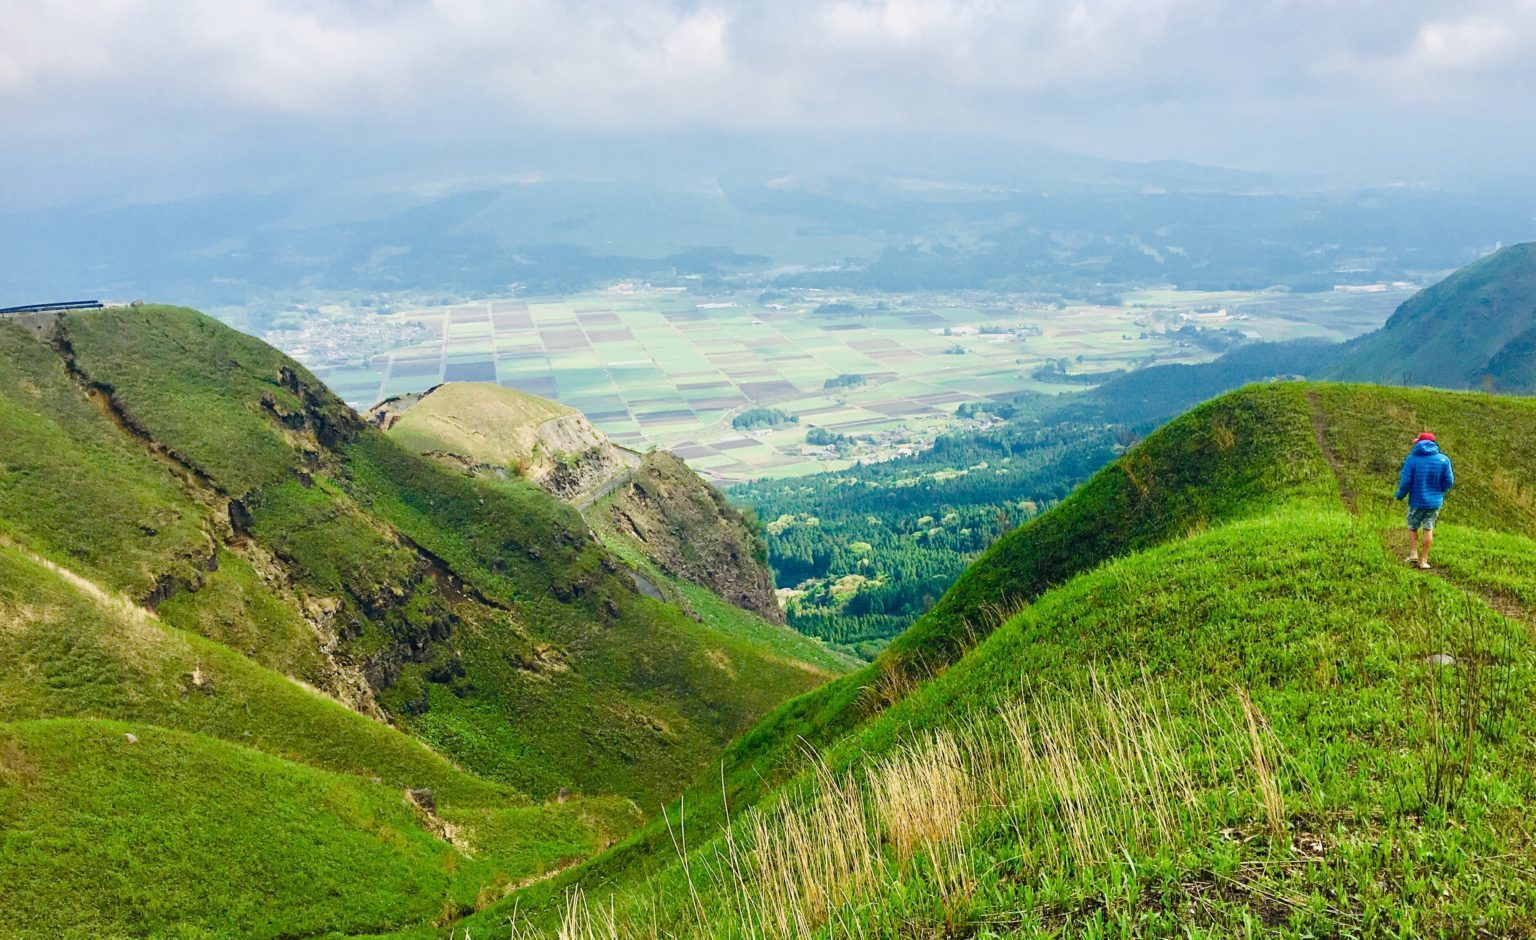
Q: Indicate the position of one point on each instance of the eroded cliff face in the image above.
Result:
(575, 461)
(687, 527)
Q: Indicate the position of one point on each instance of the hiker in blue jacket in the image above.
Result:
(1425, 480)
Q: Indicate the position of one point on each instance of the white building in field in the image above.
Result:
(1207, 316)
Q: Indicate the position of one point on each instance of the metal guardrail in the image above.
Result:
(54, 307)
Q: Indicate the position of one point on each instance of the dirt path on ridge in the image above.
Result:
(1320, 433)
(1395, 541)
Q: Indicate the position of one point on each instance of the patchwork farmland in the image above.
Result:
(665, 368)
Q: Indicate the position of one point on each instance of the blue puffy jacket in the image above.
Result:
(1426, 476)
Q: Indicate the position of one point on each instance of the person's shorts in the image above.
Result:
(1422, 519)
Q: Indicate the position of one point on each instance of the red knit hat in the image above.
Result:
(1426, 436)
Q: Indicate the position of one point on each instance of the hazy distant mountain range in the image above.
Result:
(1036, 221)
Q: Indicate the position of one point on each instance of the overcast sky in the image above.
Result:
(149, 94)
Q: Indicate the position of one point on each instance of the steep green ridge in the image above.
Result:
(199, 543)
(1475, 329)
(1225, 459)
(234, 410)
(477, 613)
(1235, 456)
(1240, 564)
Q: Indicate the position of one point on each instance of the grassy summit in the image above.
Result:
(653, 503)
(1202, 694)
(488, 423)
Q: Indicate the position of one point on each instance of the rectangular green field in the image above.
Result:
(664, 367)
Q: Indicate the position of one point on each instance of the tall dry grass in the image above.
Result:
(1268, 785)
(1102, 775)
(1080, 778)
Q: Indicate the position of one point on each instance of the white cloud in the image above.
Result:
(1094, 72)
(1475, 43)
(1470, 60)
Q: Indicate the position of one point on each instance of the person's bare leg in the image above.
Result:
(1413, 557)
(1429, 538)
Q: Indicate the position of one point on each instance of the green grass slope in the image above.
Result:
(1250, 545)
(178, 834)
(1208, 738)
(1230, 457)
(77, 655)
(76, 651)
(1475, 329)
(202, 472)
(62, 454)
(200, 546)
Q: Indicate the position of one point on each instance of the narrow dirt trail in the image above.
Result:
(1320, 433)
(612, 483)
(1395, 542)
(106, 598)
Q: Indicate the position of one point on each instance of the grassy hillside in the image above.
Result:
(173, 833)
(241, 496)
(202, 547)
(77, 651)
(62, 454)
(1230, 457)
(1213, 700)
(1475, 329)
(292, 802)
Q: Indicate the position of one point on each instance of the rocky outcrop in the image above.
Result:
(687, 527)
(575, 474)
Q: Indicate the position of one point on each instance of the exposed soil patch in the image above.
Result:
(1320, 432)
(104, 397)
